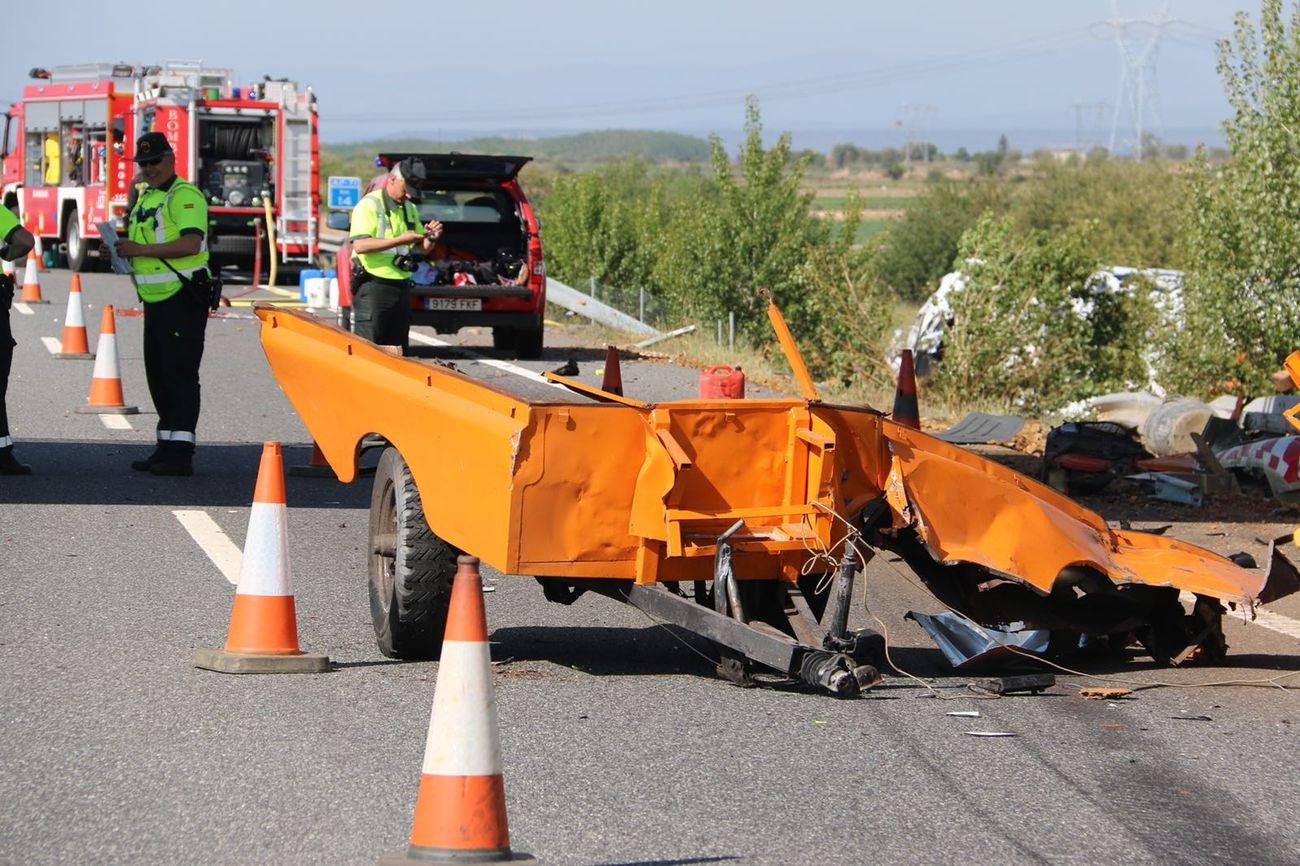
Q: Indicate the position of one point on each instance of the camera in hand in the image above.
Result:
(407, 262)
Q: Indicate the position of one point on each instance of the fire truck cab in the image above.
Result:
(253, 151)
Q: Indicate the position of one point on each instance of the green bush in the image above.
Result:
(919, 249)
(1016, 341)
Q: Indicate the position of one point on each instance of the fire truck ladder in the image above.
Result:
(296, 192)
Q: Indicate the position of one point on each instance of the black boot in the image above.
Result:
(177, 458)
(9, 465)
(147, 463)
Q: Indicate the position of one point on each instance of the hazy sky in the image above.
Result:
(449, 69)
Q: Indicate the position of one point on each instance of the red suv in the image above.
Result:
(489, 228)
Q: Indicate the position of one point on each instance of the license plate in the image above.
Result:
(456, 304)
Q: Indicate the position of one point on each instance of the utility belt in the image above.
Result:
(361, 275)
(206, 283)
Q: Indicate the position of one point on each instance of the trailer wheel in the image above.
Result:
(411, 569)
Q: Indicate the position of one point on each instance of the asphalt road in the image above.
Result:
(620, 746)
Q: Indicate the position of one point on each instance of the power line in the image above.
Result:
(874, 77)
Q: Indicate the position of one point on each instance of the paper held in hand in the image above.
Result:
(108, 234)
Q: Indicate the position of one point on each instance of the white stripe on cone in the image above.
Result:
(265, 568)
(463, 738)
(74, 318)
(106, 358)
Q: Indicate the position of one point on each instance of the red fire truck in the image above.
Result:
(253, 151)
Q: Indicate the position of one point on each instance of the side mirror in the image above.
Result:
(339, 219)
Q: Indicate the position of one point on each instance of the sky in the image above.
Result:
(959, 73)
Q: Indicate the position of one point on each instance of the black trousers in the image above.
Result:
(173, 350)
(381, 311)
(6, 350)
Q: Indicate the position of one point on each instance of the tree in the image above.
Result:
(921, 247)
(1242, 297)
(715, 256)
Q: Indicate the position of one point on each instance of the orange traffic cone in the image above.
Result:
(317, 466)
(105, 381)
(906, 411)
(460, 810)
(613, 381)
(263, 633)
(75, 343)
(32, 282)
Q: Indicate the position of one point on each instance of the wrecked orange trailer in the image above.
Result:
(742, 520)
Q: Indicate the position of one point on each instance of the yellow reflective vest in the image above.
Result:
(373, 218)
(159, 216)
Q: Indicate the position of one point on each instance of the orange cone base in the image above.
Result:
(109, 410)
(75, 356)
(441, 857)
(224, 662)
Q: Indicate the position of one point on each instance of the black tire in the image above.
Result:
(503, 337)
(411, 569)
(77, 258)
(528, 342)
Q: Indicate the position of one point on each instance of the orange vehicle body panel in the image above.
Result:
(621, 489)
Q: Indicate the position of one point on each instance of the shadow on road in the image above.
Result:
(92, 472)
(653, 650)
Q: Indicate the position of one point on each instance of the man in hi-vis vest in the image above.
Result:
(166, 240)
(385, 229)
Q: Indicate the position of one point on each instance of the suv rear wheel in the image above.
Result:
(528, 341)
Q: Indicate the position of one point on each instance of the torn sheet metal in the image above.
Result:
(968, 509)
(1278, 460)
(1170, 488)
(968, 646)
(979, 428)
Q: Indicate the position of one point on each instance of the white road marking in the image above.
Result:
(1266, 618)
(55, 346)
(220, 549)
(115, 422)
(22, 308)
(504, 366)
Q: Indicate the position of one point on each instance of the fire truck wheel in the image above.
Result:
(411, 569)
(77, 258)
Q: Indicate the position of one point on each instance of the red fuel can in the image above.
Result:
(722, 382)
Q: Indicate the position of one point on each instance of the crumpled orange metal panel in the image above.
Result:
(974, 510)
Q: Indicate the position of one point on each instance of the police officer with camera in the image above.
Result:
(15, 242)
(167, 244)
(385, 227)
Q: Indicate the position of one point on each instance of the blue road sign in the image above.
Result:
(344, 192)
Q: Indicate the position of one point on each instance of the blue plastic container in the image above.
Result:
(302, 282)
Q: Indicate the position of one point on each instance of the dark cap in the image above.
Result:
(151, 145)
(412, 171)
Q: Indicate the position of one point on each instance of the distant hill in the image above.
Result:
(579, 147)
